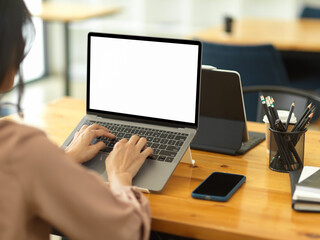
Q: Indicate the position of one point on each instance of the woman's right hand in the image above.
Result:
(125, 159)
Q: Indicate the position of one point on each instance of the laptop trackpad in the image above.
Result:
(97, 163)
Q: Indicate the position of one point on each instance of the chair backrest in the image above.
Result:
(257, 65)
(310, 12)
(283, 97)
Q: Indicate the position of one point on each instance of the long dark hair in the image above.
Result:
(16, 37)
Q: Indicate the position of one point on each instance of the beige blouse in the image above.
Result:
(41, 187)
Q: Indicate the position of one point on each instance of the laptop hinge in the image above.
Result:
(188, 129)
(89, 115)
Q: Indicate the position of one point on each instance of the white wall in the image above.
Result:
(36, 54)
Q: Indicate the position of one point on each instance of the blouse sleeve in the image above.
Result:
(77, 201)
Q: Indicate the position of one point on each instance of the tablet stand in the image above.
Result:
(219, 135)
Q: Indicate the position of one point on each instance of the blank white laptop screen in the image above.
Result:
(144, 78)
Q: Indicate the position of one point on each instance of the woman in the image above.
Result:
(42, 186)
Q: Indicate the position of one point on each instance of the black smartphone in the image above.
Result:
(219, 186)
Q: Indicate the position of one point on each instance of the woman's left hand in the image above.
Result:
(81, 149)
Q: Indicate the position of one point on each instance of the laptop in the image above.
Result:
(223, 124)
(148, 86)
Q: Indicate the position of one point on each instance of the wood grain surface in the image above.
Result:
(260, 209)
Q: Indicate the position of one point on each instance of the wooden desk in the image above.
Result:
(260, 209)
(67, 13)
(296, 35)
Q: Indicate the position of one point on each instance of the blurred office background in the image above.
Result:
(45, 65)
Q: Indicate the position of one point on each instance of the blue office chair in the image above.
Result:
(304, 67)
(310, 12)
(257, 65)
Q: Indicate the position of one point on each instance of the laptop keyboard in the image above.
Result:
(165, 144)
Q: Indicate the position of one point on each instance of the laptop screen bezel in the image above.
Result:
(135, 118)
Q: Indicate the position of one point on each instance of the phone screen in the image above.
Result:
(219, 184)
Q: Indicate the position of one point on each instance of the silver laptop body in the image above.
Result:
(143, 82)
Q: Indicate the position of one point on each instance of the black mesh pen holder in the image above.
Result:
(286, 150)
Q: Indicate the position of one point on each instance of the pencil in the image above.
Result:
(289, 146)
(274, 160)
(283, 146)
(306, 124)
(290, 113)
(303, 117)
(263, 101)
(272, 115)
(275, 113)
(306, 111)
(303, 128)
(274, 107)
